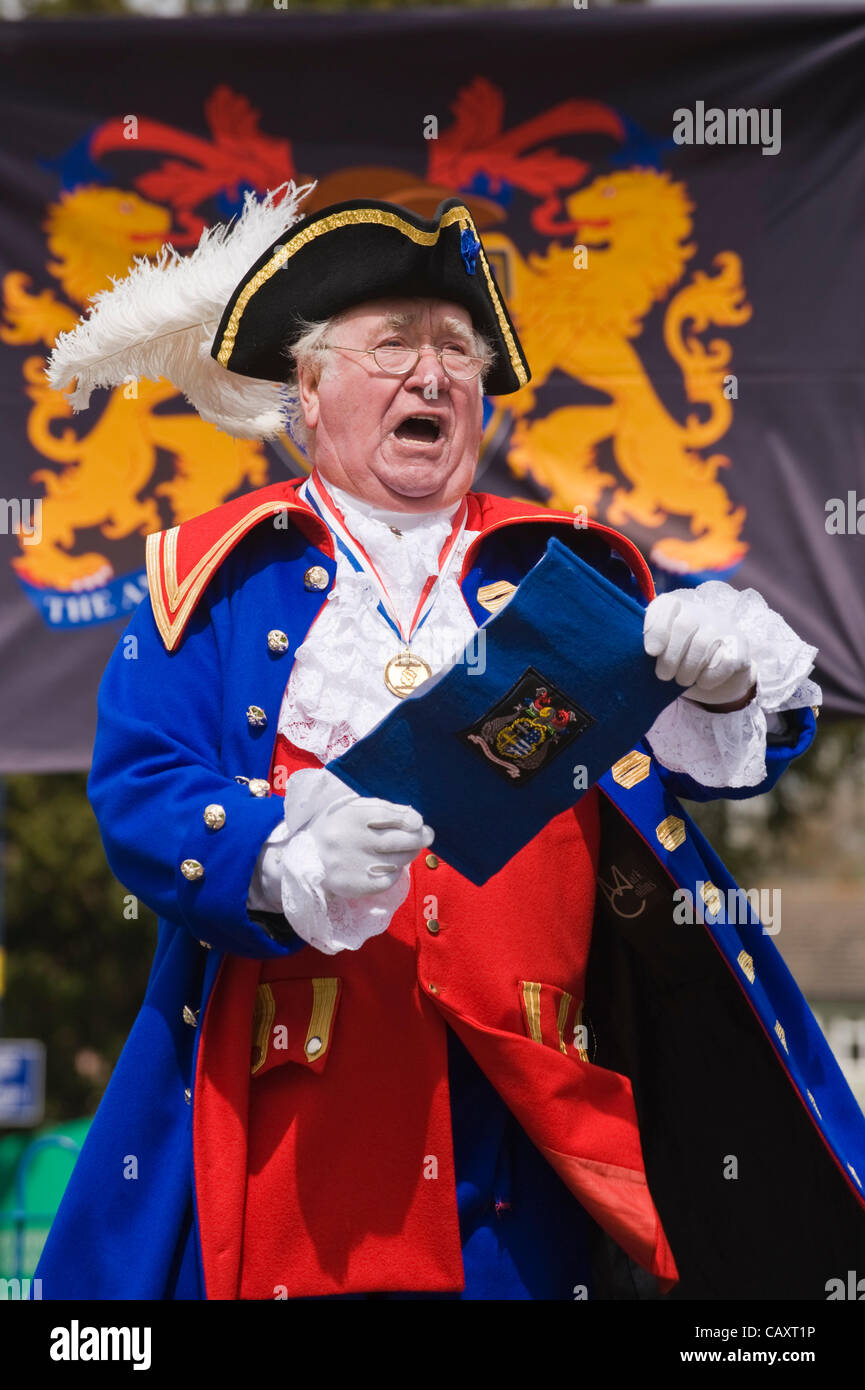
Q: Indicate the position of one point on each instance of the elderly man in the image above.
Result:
(356, 1073)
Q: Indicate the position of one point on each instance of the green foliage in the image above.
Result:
(77, 968)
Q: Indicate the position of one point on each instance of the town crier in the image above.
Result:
(356, 1073)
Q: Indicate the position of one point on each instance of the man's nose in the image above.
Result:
(428, 371)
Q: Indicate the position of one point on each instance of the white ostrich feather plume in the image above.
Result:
(159, 321)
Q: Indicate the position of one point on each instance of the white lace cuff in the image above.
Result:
(288, 875)
(265, 888)
(329, 923)
(729, 750)
(310, 791)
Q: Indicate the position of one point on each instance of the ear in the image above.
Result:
(308, 388)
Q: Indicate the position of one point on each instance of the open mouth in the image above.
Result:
(420, 429)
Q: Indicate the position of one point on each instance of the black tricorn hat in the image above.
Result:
(361, 250)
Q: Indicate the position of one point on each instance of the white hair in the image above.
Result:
(306, 349)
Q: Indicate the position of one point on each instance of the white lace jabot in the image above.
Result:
(336, 693)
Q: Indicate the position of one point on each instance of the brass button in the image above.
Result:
(671, 832)
(277, 641)
(206, 945)
(258, 787)
(433, 989)
(313, 1046)
(315, 578)
(190, 1016)
(711, 897)
(433, 927)
(214, 816)
(634, 767)
(188, 1094)
(494, 596)
(256, 716)
(431, 861)
(191, 869)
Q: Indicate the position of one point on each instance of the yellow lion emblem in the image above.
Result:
(93, 235)
(579, 313)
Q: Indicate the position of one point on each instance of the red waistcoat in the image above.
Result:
(323, 1154)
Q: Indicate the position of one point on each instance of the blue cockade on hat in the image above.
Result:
(469, 248)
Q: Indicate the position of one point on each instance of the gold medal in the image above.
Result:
(405, 672)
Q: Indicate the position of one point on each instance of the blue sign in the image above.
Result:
(22, 1081)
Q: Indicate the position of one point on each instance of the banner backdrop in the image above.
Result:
(674, 203)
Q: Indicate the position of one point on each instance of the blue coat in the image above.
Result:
(725, 1057)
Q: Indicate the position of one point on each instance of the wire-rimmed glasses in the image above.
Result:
(401, 361)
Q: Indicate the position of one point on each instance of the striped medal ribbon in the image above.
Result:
(406, 670)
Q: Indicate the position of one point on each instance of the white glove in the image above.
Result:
(332, 843)
(364, 843)
(701, 649)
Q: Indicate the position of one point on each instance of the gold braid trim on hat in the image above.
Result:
(357, 217)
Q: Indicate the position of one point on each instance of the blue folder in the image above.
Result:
(556, 687)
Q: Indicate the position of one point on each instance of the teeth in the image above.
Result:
(424, 427)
